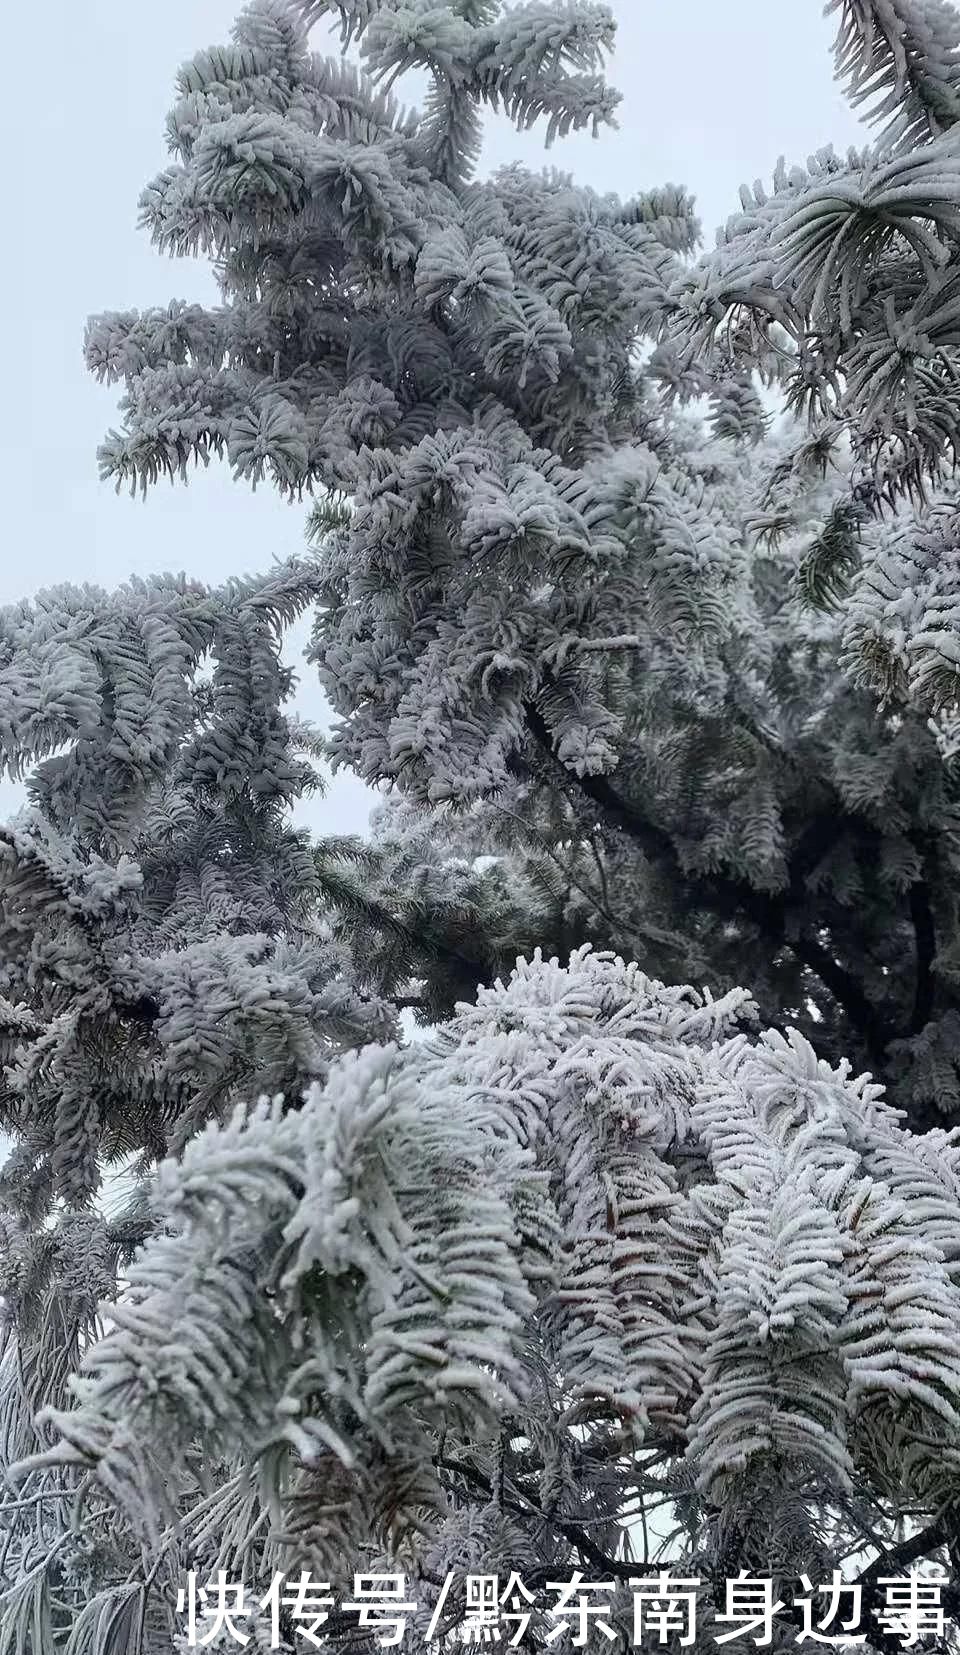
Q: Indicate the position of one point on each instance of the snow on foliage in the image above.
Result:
(596, 1256)
(593, 1210)
(547, 597)
(848, 270)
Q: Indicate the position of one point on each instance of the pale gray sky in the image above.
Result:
(713, 94)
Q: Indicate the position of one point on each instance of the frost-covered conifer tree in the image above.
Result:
(595, 1279)
(166, 936)
(170, 945)
(543, 598)
(164, 942)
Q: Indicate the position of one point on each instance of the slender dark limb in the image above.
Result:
(847, 992)
(891, 1564)
(899, 1557)
(577, 1536)
(732, 896)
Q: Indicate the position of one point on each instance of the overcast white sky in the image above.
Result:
(713, 94)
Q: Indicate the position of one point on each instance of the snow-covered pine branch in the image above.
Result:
(454, 365)
(595, 1219)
